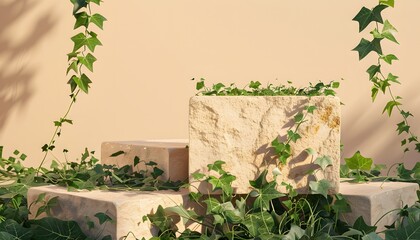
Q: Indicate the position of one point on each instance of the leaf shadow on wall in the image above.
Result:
(16, 74)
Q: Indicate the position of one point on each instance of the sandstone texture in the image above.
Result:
(239, 130)
(171, 155)
(374, 199)
(125, 208)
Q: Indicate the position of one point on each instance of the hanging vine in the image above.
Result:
(80, 60)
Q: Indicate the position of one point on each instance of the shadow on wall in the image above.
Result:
(15, 72)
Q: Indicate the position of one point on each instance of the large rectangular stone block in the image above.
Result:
(171, 155)
(125, 208)
(239, 130)
(374, 199)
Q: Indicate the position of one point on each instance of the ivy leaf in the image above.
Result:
(266, 194)
(310, 151)
(417, 147)
(366, 16)
(254, 85)
(92, 42)
(323, 162)
(358, 162)
(103, 218)
(293, 136)
(72, 83)
(376, 13)
(402, 127)
(340, 204)
(160, 220)
(213, 205)
(375, 91)
(389, 58)
(88, 61)
(78, 4)
(199, 85)
(388, 31)
(365, 47)
(216, 166)
(261, 180)
(373, 70)
(259, 223)
(376, 33)
(403, 173)
(320, 187)
(387, 2)
(82, 19)
(294, 233)
(79, 41)
(389, 106)
(361, 225)
(298, 117)
(98, 20)
(363, 17)
(409, 231)
(198, 176)
(223, 183)
(185, 214)
(157, 172)
(344, 171)
(393, 78)
(311, 109)
(406, 114)
(12, 230)
(82, 82)
(72, 55)
(115, 154)
(52, 228)
(73, 66)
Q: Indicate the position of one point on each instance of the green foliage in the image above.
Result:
(86, 174)
(52, 228)
(256, 89)
(264, 213)
(360, 168)
(380, 81)
(283, 149)
(79, 59)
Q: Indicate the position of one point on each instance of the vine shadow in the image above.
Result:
(15, 75)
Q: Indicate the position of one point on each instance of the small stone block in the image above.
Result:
(170, 155)
(239, 130)
(125, 208)
(374, 199)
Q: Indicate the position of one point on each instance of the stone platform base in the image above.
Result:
(374, 199)
(125, 208)
(171, 155)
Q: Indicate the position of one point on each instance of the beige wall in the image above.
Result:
(153, 48)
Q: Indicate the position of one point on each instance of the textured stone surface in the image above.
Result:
(125, 208)
(372, 200)
(171, 155)
(238, 130)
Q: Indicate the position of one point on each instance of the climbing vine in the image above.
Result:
(382, 82)
(80, 60)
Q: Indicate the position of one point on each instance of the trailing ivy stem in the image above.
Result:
(73, 100)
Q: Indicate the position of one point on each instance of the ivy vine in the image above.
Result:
(382, 82)
(80, 59)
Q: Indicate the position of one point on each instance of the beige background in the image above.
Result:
(153, 48)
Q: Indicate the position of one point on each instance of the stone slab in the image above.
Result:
(125, 208)
(372, 200)
(239, 129)
(171, 155)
